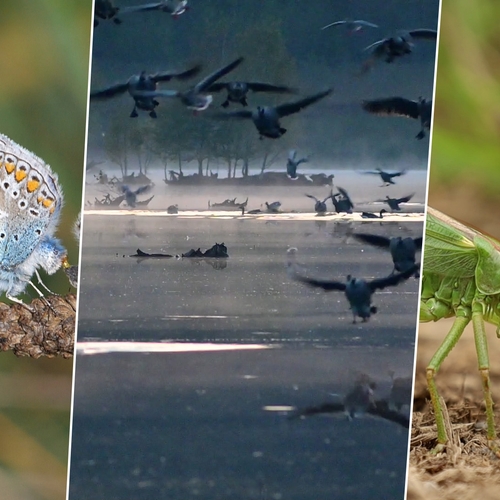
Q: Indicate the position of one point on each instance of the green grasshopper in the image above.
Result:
(461, 278)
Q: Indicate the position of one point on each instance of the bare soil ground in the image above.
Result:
(467, 469)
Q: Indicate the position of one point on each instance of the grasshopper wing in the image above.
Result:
(449, 246)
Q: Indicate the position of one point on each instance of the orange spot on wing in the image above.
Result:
(47, 202)
(20, 175)
(32, 185)
(9, 167)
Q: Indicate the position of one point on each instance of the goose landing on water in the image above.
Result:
(402, 250)
(399, 106)
(320, 206)
(292, 164)
(357, 290)
(394, 202)
(131, 196)
(386, 176)
(342, 204)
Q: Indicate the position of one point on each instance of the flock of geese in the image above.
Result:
(143, 87)
(146, 92)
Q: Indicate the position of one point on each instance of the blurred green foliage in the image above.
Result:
(44, 56)
(465, 144)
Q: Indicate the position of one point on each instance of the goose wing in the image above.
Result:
(314, 197)
(157, 93)
(324, 284)
(362, 22)
(393, 280)
(345, 194)
(141, 8)
(381, 409)
(315, 410)
(108, 92)
(398, 106)
(213, 77)
(293, 107)
(405, 199)
(336, 23)
(241, 114)
(165, 76)
(142, 189)
(267, 87)
(217, 86)
(373, 239)
(423, 34)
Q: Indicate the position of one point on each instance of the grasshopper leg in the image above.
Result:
(449, 342)
(484, 369)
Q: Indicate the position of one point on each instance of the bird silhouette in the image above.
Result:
(386, 176)
(390, 48)
(237, 91)
(292, 164)
(267, 118)
(196, 98)
(137, 85)
(358, 291)
(403, 250)
(399, 106)
(395, 202)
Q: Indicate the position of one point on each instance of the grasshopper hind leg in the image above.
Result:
(445, 348)
(484, 369)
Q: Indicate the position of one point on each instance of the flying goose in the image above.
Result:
(237, 91)
(357, 290)
(353, 26)
(386, 176)
(137, 84)
(196, 97)
(292, 164)
(394, 202)
(343, 203)
(392, 47)
(399, 106)
(131, 196)
(320, 206)
(402, 250)
(267, 118)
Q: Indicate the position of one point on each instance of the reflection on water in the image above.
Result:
(164, 299)
(158, 416)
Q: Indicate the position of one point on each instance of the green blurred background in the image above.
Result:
(44, 55)
(465, 153)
